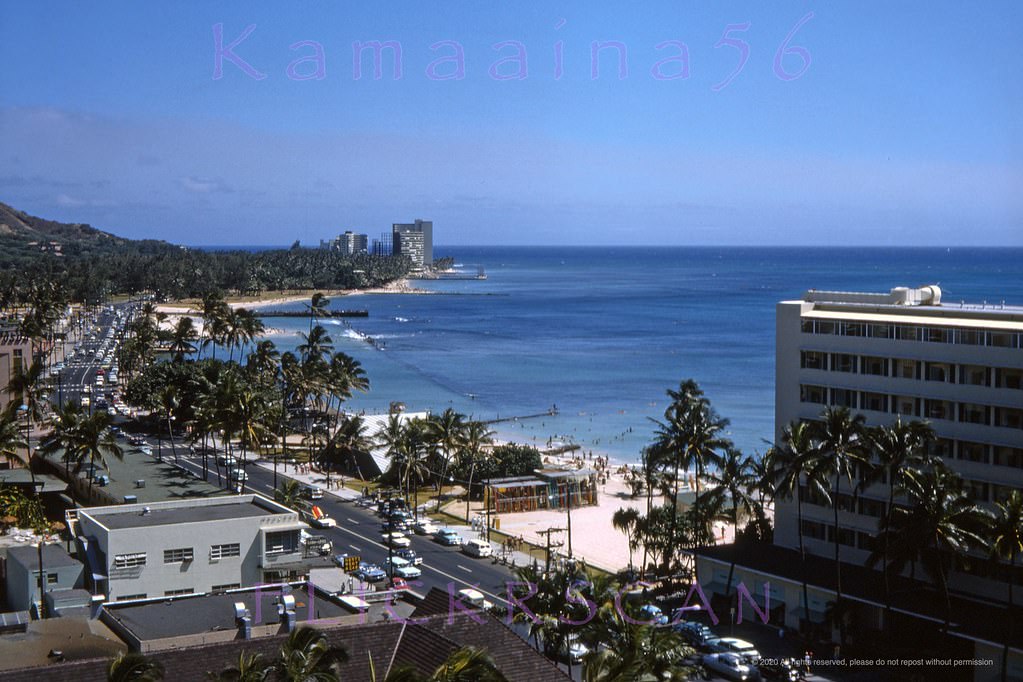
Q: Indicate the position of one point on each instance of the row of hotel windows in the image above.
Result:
(910, 406)
(945, 372)
(901, 332)
(979, 491)
(177, 556)
(177, 593)
(848, 537)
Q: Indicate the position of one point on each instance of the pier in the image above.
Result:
(305, 313)
(553, 412)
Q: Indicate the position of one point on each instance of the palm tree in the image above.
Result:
(842, 448)
(183, 336)
(306, 656)
(735, 481)
(1006, 539)
(477, 438)
(11, 442)
(94, 443)
(250, 668)
(345, 375)
(901, 451)
(786, 465)
(214, 314)
(465, 664)
(317, 307)
(134, 667)
(263, 362)
(289, 494)
(448, 430)
(940, 526)
(625, 520)
(350, 438)
(690, 435)
(316, 344)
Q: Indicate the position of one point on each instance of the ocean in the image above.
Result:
(601, 333)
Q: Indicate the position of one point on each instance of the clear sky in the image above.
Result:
(875, 123)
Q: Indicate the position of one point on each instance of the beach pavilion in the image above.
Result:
(546, 489)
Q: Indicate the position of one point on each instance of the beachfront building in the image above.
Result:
(414, 240)
(15, 356)
(141, 551)
(909, 354)
(547, 489)
(349, 244)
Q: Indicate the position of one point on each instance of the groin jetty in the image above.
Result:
(553, 412)
(305, 313)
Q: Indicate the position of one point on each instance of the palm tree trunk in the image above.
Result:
(468, 491)
(885, 552)
(838, 565)
(1009, 634)
(802, 552)
(674, 512)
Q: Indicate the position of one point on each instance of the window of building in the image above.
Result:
(874, 365)
(1009, 378)
(904, 405)
(976, 490)
(814, 530)
(973, 452)
(811, 359)
(51, 578)
(225, 588)
(864, 541)
(1000, 493)
(904, 333)
(130, 560)
(177, 556)
(224, 551)
(175, 593)
(843, 397)
(938, 409)
(806, 326)
(812, 394)
(974, 375)
(846, 536)
(938, 371)
(1009, 417)
(843, 362)
(132, 597)
(938, 334)
(1007, 457)
(282, 542)
(940, 447)
(880, 331)
(854, 329)
(869, 507)
(972, 413)
(906, 369)
(825, 327)
(878, 402)
(1002, 339)
(970, 337)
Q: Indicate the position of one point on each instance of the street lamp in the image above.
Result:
(42, 594)
(568, 508)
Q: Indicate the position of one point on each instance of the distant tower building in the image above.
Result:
(382, 246)
(418, 248)
(352, 243)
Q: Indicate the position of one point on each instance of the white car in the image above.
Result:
(239, 475)
(424, 527)
(402, 568)
(730, 666)
(396, 540)
(732, 645)
(474, 598)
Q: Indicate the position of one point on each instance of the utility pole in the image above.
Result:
(547, 567)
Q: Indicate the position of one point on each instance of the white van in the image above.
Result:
(477, 548)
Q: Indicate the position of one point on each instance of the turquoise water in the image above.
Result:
(603, 332)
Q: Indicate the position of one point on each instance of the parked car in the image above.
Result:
(696, 634)
(733, 645)
(410, 556)
(424, 527)
(653, 615)
(447, 536)
(730, 666)
(396, 540)
(477, 548)
(785, 670)
(312, 492)
(226, 460)
(239, 474)
(371, 573)
(402, 568)
(399, 584)
(474, 598)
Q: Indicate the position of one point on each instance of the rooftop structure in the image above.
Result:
(139, 551)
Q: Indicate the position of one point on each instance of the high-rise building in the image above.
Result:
(383, 246)
(351, 243)
(910, 355)
(15, 356)
(414, 245)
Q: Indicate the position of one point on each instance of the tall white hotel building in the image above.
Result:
(905, 353)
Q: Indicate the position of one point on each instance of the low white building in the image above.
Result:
(140, 551)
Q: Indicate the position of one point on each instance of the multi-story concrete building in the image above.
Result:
(137, 551)
(414, 240)
(352, 243)
(15, 355)
(904, 354)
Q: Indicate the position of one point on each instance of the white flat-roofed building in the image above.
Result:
(905, 354)
(142, 551)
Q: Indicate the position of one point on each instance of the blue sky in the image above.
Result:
(905, 127)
